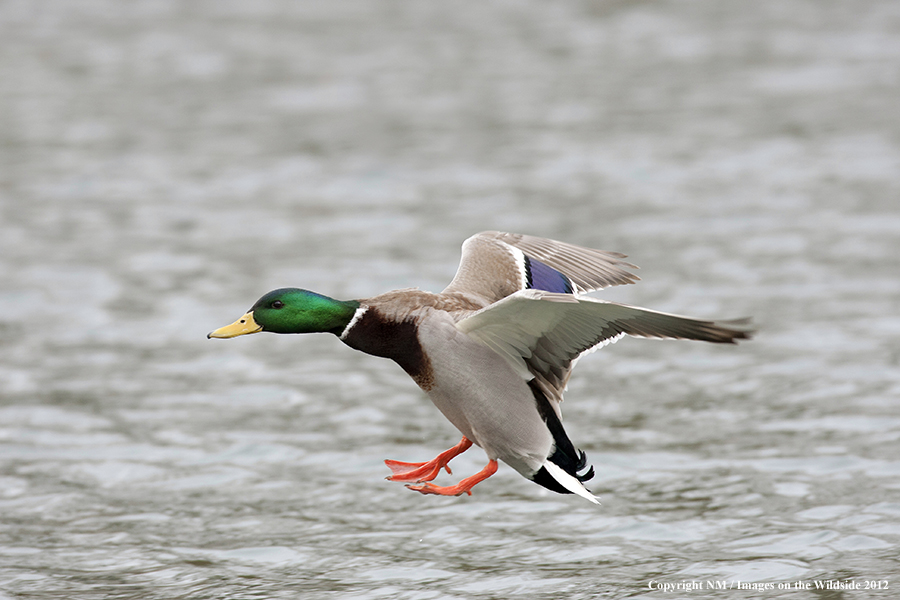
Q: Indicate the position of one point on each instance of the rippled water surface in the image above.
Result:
(163, 164)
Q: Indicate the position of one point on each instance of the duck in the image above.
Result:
(494, 350)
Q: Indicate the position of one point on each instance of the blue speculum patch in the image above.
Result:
(541, 277)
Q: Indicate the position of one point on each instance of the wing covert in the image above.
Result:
(495, 265)
(541, 334)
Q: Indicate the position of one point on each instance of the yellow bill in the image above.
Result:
(242, 326)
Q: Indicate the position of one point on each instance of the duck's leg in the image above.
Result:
(463, 487)
(418, 472)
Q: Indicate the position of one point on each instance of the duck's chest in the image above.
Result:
(395, 325)
(372, 332)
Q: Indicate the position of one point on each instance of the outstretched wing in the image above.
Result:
(542, 333)
(495, 265)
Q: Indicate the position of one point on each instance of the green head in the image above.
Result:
(291, 310)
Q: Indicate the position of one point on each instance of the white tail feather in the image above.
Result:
(568, 482)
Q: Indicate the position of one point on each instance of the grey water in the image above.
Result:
(163, 164)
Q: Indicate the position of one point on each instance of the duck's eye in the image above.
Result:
(278, 304)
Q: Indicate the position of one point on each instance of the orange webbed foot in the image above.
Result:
(404, 471)
(419, 472)
(463, 487)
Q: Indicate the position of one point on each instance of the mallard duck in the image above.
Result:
(494, 350)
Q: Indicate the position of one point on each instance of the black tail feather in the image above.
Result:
(565, 455)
